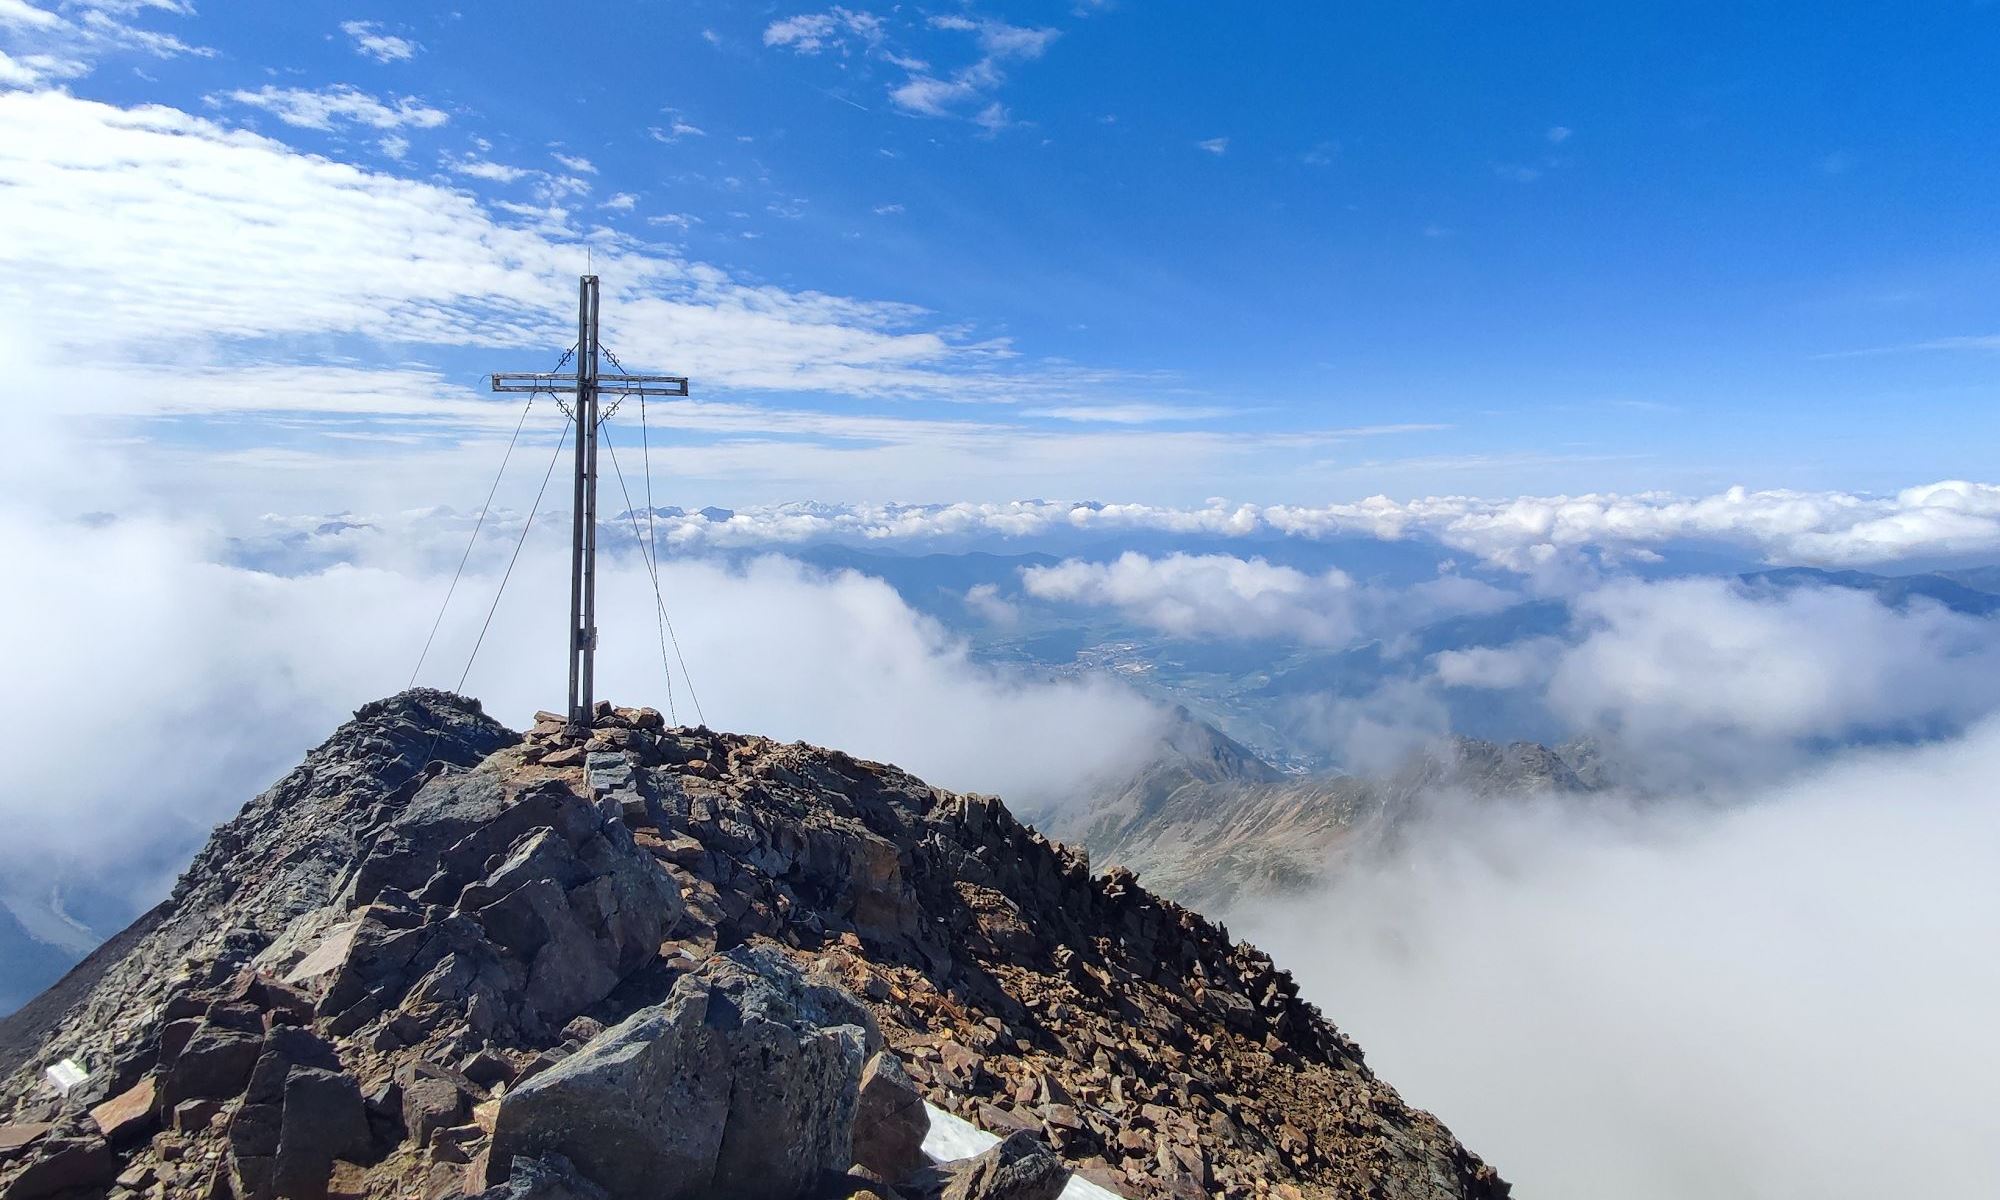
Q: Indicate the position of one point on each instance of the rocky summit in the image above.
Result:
(444, 959)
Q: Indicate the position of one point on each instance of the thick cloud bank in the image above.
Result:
(1208, 594)
(1788, 997)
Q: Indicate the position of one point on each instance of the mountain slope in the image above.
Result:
(1207, 823)
(432, 897)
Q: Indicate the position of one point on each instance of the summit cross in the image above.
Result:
(586, 385)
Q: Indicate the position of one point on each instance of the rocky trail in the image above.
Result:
(443, 959)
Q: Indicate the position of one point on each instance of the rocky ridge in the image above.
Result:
(441, 959)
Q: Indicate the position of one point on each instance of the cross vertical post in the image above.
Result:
(583, 511)
(587, 386)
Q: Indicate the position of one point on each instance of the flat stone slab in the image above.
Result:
(16, 1137)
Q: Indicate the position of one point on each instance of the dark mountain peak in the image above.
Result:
(442, 958)
(1206, 752)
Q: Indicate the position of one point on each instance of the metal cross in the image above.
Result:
(587, 385)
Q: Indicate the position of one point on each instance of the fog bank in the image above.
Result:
(1791, 996)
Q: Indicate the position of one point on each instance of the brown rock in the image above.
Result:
(1003, 1121)
(130, 1115)
(16, 1138)
(434, 1098)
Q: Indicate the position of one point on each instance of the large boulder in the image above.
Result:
(742, 1085)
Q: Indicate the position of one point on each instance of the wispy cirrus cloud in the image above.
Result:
(840, 29)
(43, 45)
(371, 42)
(967, 92)
(340, 104)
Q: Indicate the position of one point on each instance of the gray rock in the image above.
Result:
(549, 1178)
(890, 1120)
(1021, 1167)
(214, 1065)
(64, 1165)
(741, 1086)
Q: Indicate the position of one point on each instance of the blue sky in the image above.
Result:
(1161, 252)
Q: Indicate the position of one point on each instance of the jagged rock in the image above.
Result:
(889, 1120)
(214, 1065)
(1020, 1167)
(742, 1084)
(434, 1098)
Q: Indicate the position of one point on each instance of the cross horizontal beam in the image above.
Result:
(617, 385)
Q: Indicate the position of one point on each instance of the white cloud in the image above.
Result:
(576, 162)
(221, 677)
(1953, 517)
(371, 42)
(965, 92)
(1127, 414)
(1209, 594)
(836, 28)
(395, 146)
(340, 104)
(985, 602)
(1780, 996)
(1558, 134)
(1014, 41)
(1527, 534)
(933, 97)
(174, 227)
(38, 70)
(621, 202)
(45, 46)
(1215, 145)
(1522, 664)
(21, 14)
(1699, 664)
(480, 168)
(677, 127)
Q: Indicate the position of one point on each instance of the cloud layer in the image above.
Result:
(186, 685)
(1537, 536)
(1784, 997)
(1208, 594)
